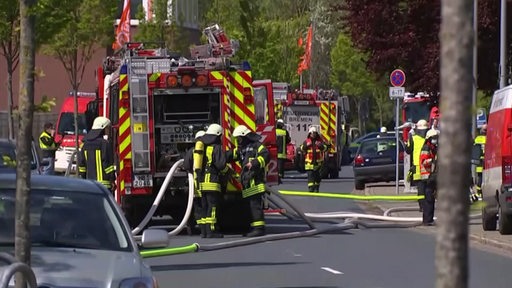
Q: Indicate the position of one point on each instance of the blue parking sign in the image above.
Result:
(481, 117)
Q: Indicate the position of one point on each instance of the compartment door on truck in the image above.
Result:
(298, 119)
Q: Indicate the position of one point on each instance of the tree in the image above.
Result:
(455, 143)
(9, 40)
(23, 145)
(85, 26)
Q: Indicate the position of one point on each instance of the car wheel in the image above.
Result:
(359, 185)
(488, 220)
(505, 222)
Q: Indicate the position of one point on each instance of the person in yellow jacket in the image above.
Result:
(314, 149)
(478, 158)
(414, 146)
(283, 139)
(48, 148)
(209, 164)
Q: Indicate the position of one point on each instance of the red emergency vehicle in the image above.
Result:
(65, 129)
(157, 101)
(497, 172)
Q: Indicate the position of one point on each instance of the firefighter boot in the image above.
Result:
(203, 230)
(212, 233)
(257, 231)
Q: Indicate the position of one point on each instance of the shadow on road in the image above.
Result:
(203, 266)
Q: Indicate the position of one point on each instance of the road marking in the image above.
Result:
(331, 270)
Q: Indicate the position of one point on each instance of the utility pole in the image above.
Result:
(503, 44)
(23, 143)
(475, 65)
(455, 144)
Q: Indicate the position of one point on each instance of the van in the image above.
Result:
(65, 129)
(497, 170)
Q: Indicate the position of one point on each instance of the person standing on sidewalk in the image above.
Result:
(283, 139)
(48, 148)
(428, 170)
(414, 147)
(478, 158)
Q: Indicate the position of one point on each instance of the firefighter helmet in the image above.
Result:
(199, 134)
(313, 129)
(100, 123)
(241, 130)
(422, 124)
(280, 121)
(214, 129)
(383, 129)
(431, 133)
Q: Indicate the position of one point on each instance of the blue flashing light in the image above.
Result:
(124, 69)
(246, 66)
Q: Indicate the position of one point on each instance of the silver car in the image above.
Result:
(80, 237)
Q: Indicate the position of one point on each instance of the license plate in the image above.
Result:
(142, 181)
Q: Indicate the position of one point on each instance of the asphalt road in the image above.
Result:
(369, 258)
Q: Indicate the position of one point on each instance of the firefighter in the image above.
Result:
(428, 171)
(283, 139)
(209, 164)
(95, 157)
(478, 158)
(48, 148)
(383, 132)
(188, 164)
(253, 157)
(414, 146)
(313, 148)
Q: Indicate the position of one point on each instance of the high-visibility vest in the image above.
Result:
(480, 140)
(281, 143)
(417, 142)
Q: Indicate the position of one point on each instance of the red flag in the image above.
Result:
(306, 58)
(123, 29)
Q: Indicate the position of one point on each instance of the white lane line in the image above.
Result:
(331, 270)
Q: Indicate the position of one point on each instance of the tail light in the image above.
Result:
(506, 170)
(359, 160)
(202, 80)
(186, 80)
(172, 81)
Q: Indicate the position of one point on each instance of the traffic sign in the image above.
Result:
(396, 92)
(397, 78)
(481, 117)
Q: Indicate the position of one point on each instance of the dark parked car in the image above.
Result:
(8, 157)
(375, 161)
(354, 145)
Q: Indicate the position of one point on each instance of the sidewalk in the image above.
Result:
(476, 233)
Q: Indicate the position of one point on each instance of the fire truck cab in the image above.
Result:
(326, 110)
(158, 101)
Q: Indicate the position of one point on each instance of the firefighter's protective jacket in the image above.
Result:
(428, 160)
(95, 159)
(253, 179)
(479, 145)
(213, 160)
(314, 152)
(47, 145)
(283, 138)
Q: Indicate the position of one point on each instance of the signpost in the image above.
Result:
(481, 118)
(397, 91)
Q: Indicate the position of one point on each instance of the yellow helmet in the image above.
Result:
(241, 130)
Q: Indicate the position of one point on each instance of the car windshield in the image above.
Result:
(8, 155)
(379, 146)
(67, 124)
(66, 219)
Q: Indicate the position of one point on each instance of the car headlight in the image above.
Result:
(140, 282)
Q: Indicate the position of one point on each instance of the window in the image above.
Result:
(70, 219)
(260, 105)
(67, 124)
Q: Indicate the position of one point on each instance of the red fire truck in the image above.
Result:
(157, 102)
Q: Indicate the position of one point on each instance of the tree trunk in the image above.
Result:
(23, 143)
(455, 142)
(10, 98)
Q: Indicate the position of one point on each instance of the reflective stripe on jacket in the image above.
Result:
(427, 161)
(283, 138)
(253, 180)
(213, 164)
(417, 142)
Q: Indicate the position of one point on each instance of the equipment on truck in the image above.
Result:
(157, 103)
(324, 109)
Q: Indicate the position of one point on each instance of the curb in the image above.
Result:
(481, 239)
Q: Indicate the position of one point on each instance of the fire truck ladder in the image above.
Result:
(138, 80)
